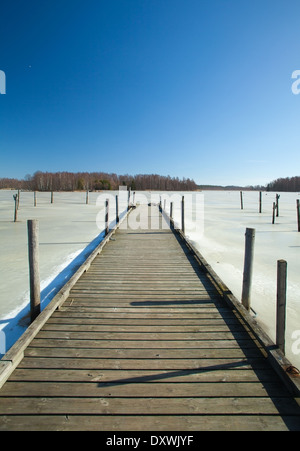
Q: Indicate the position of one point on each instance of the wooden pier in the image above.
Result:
(146, 338)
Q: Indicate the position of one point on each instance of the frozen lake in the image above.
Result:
(223, 246)
(69, 225)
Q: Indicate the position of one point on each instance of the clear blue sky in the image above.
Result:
(187, 88)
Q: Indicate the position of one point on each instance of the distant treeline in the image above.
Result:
(94, 181)
(290, 184)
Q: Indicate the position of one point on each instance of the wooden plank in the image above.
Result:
(183, 340)
(84, 326)
(210, 315)
(132, 360)
(199, 353)
(158, 423)
(89, 324)
(97, 318)
(159, 389)
(142, 344)
(148, 406)
(132, 376)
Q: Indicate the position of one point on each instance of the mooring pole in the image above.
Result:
(15, 196)
(260, 201)
(274, 209)
(128, 200)
(241, 196)
(281, 304)
(106, 217)
(117, 209)
(248, 266)
(277, 204)
(298, 214)
(34, 272)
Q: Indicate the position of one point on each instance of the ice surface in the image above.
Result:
(223, 244)
(68, 226)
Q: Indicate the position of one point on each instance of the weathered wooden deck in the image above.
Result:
(145, 341)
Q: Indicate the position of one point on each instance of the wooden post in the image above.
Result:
(182, 216)
(277, 204)
(260, 201)
(298, 214)
(248, 266)
(34, 274)
(34, 198)
(241, 196)
(171, 210)
(87, 197)
(274, 208)
(281, 304)
(15, 196)
(106, 217)
(128, 199)
(128, 202)
(51, 197)
(117, 209)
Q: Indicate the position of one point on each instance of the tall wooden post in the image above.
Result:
(117, 209)
(274, 209)
(15, 196)
(277, 204)
(281, 304)
(248, 266)
(106, 217)
(298, 214)
(51, 197)
(260, 202)
(34, 198)
(87, 197)
(182, 216)
(128, 201)
(34, 273)
(241, 196)
(171, 210)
